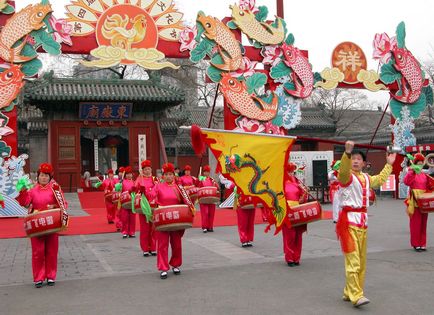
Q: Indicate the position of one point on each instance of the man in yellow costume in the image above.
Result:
(352, 224)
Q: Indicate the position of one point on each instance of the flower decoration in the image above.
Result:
(187, 38)
(249, 125)
(247, 69)
(248, 5)
(62, 30)
(272, 55)
(383, 46)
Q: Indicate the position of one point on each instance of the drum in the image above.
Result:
(426, 202)
(45, 222)
(115, 196)
(305, 213)
(173, 218)
(208, 195)
(126, 201)
(246, 202)
(192, 192)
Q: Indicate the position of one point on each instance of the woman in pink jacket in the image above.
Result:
(168, 194)
(207, 211)
(145, 183)
(293, 237)
(44, 248)
(127, 216)
(419, 183)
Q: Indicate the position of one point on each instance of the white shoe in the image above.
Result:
(176, 271)
(163, 275)
(362, 301)
(146, 254)
(345, 298)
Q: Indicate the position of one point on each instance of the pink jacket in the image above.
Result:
(109, 184)
(293, 190)
(127, 185)
(39, 197)
(188, 180)
(416, 181)
(146, 185)
(167, 194)
(207, 182)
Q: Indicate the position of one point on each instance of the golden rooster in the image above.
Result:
(115, 29)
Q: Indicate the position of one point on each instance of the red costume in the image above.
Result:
(293, 237)
(418, 183)
(109, 185)
(166, 195)
(207, 211)
(128, 218)
(246, 225)
(146, 184)
(44, 248)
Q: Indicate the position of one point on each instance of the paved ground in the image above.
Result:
(104, 274)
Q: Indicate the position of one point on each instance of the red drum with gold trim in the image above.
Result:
(45, 222)
(426, 202)
(172, 218)
(305, 213)
(126, 201)
(208, 195)
(115, 196)
(372, 197)
(246, 203)
(192, 192)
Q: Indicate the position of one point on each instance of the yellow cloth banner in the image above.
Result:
(256, 164)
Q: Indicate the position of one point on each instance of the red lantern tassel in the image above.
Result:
(197, 140)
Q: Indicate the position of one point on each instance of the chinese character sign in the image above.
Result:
(389, 184)
(350, 59)
(105, 111)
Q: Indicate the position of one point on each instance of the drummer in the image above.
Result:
(167, 194)
(187, 180)
(44, 248)
(145, 183)
(128, 218)
(293, 236)
(419, 183)
(207, 211)
(109, 185)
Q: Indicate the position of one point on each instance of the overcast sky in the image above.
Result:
(318, 26)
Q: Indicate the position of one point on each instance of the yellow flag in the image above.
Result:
(255, 163)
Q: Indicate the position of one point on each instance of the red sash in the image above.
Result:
(186, 198)
(60, 200)
(342, 229)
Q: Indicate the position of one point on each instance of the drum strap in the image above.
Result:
(186, 198)
(61, 201)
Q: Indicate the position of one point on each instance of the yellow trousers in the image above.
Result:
(355, 265)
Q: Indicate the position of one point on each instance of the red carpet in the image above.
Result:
(96, 222)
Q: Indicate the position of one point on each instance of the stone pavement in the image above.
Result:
(218, 274)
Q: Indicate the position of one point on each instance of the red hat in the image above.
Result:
(121, 169)
(128, 169)
(419, 157)
(146, 163)
(291, 167)
(168, 168)
(187, 168)
(206, 168)
(110, 171)
(46, 168)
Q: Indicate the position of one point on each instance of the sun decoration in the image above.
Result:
(127, 31)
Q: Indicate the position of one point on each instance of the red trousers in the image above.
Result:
(147, 235)
(163, 239)
(207, 213)
(246, 224)
(111, 211)
(418, 222)
(128, 219)
(44, 256)
(118, 217)
(293, 242)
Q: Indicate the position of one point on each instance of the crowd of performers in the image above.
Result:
(350, 193)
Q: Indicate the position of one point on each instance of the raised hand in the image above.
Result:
(390, 158)
(349, 146)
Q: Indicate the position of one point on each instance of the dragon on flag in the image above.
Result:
(254, 162)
